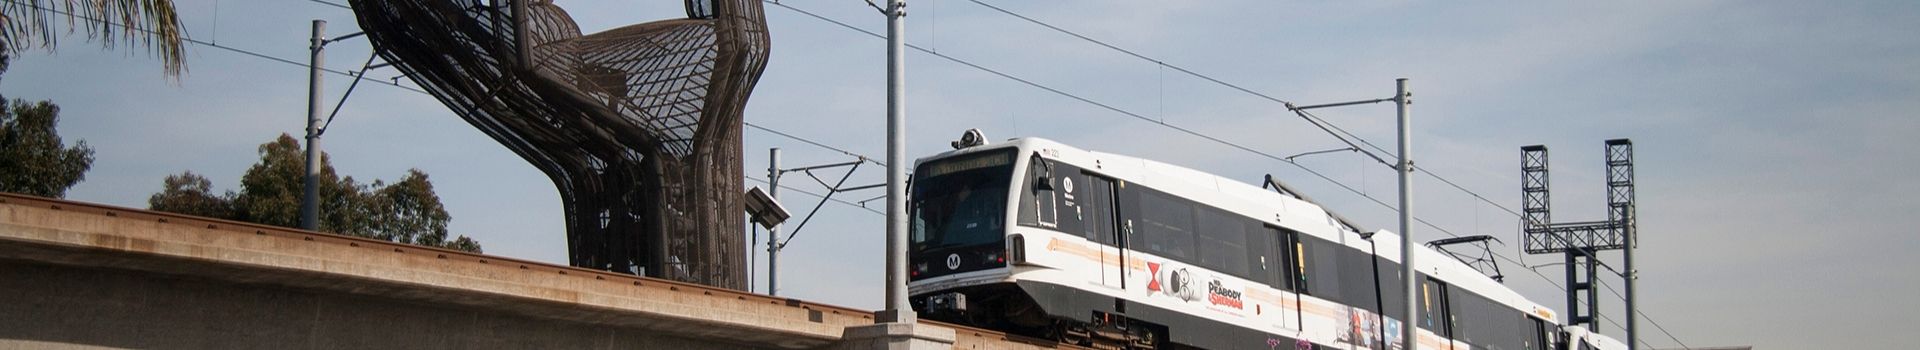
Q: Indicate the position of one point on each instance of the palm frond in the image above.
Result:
(153, 24)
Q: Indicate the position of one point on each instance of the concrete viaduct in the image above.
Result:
(80, 275)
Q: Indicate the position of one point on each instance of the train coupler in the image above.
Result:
(947, 302)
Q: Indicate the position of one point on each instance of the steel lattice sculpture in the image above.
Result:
(639, 127)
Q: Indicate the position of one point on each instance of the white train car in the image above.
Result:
(1040, 238)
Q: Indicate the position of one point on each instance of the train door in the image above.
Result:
(1101, 226)
(1278, 258)
(1539, 336)
(1436, 313)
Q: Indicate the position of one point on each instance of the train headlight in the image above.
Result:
(919, 268)
(971, 138)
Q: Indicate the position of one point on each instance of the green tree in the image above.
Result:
(28, 24)
(465, 244)
(192, 194)
(270, 191)
(407, 211)
(32, 158)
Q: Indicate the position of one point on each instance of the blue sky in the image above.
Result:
(1773, 138)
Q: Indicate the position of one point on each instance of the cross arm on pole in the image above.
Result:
(824, 166)
(1292, 107)
(342, 37)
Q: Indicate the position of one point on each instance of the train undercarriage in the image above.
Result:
(1005, 307)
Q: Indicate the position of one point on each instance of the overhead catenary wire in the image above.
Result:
(333, 4)
(1134, 115)
(817, 144)
(1233, 86)
(1138, 116)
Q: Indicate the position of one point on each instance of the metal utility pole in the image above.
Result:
(774, 243)
(896, 310)
(310, 198)
(1401, 98)
(773, 233)
(1633, 319)
(1404, 165)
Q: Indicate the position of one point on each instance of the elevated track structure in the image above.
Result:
(87, 275)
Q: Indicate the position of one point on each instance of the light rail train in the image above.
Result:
(1036, 237)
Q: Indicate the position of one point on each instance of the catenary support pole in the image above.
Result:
(896, 310)
(1409, 325)
(773, 233)
(1633, 336)
(310, 196)
(1593, 289)
(1573, 293)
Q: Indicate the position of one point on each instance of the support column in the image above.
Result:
(1410, 332)
(897, 309)
(310, 194)
(896, 336)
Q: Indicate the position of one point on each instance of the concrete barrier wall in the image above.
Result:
(86, 275)
(54, 306)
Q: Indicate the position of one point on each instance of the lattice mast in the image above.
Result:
(1580, 242)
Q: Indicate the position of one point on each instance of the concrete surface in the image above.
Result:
(896, 336)
(84, 275)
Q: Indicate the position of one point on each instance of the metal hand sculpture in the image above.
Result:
(639, 127)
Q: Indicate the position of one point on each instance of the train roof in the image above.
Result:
(1293, 211)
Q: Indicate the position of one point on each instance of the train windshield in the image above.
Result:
(961, 201)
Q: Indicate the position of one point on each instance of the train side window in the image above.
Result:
(1162, 224)
(1358, 283)
(1262, 264)
(1222, 241)
(1056, 206)
(1473, 318)
(1392, 296)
